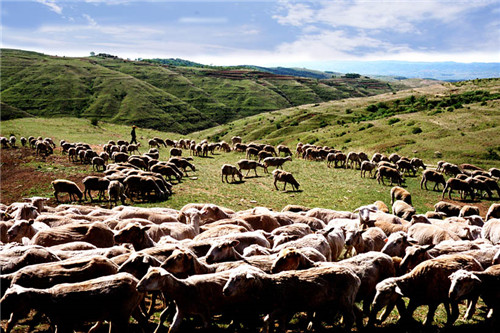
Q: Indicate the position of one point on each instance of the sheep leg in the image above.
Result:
(454, 314)
(277, 189)
(175, 323)
(95, 327)
(471, 308)
(255, 170)
(408, 314)
(284, 186)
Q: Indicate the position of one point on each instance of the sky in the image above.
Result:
(266, 33)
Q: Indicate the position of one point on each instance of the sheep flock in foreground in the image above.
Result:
(79, 266)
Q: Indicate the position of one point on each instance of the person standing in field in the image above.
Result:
(134, 138)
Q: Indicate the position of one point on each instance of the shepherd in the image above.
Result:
(134, 139)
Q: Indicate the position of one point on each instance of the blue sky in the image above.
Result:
(268, 33)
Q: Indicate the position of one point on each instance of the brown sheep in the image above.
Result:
(248, 165)
(427, 234)
(228, 169)
(491, 231)
(114, 298)
(367, 166)
(460, 185)
(284, 149)
(319, 289)
(426, 284)
(285, 177)
(447, 208)
(390, 173)
(135, 234)
(402, 209)
(67, 186)
(399, 193)
(276, 161)
(371, 239)
(433, 176)
(94, 183)
(95, 233)
(17, 257)
(493, 211)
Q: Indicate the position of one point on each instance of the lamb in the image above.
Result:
(276, 161)
(95, 233)
(426, 284)
(485, 284)
(389, 172)
(67, 186)
(285, 177)
(113, 298)
(461, 185)
(228, 169)
(116, 191)
(371, 239)
(399, 193)
(491, 231)
(93, 183)
(367, 166)
(23, 228)
(493, 211)
(248, 165)
(319, 289)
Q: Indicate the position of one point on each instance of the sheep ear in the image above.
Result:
(234, 243)
(398, 291)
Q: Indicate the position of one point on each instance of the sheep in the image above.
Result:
(371, 239)
(479, 186)
(45, 275)
(491, 183)
(167, 171)
(284, 149)
(426, 234)
(248, 165)
(493, 211)
(494, 172)
(433, 176)
(229, 169)
(116, 191)
(135, 234)
(142, 185)
(485, 284)
(406, 166)
(399, 193)
(291, 258)
(326, 215)
(402, 209)
(322, 289)
(451, 169)
(276, 161)
(17, 257)
(23, 228)
(95, 233)
(418, 163)
(468, 210)
(251, 151)
(22, 211)
(461, 185)
(447, 208)
(315, 241)
(397, 243)
(93, 183)
(388, 172)
(394, 157)
(235, 140)
(285, 177)
(295, 208)
(66, 186)
(183, 164)
(353, 159)
(426, 284)
(114, 298)
(367, 166)
(491, 231)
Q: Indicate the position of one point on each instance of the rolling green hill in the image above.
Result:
(169, 98)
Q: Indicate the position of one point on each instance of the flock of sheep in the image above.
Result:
(80, 264)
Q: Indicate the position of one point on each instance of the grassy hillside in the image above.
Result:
(465, 132)
(453, 121)
(169, 98)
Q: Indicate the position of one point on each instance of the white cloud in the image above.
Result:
(52, 5)
(203, 20)
(90, 20)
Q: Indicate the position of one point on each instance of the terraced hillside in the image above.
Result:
(168, 98)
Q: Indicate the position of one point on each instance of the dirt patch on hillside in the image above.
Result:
(23, 174)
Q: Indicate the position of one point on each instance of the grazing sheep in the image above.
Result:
(367, 166)
(94, 183)
(284, 149)
(472, 284)
(23, 141)
(447, 208)
(167, 171)
(460, 185)
(479, 186)
(285, 177)
(426, 284)
(418, 163)
(251, 151)
(402, 209)
(494, 172)
(390, 173)
(276, 161)
(468, 210)
(406, 166)
(353, 160)
(228, 169)
(399, 193)
(493, 211)
(433, 176)
(248, 165)
(67, 186)
(113, 298)
(451, 169)
(320, 289)
(183, 164)
(116, 191)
